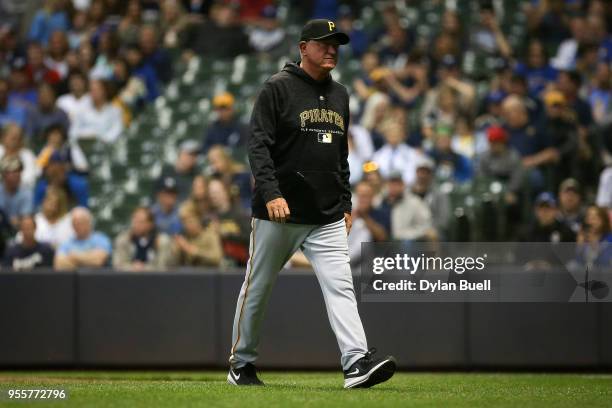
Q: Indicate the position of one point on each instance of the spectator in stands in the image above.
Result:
(561, 129)
(78, 99)
(23, 90)
(197, 205)
(503, 163)
(546, 226)
(227, 129)
(57, 173)
(143, 71)
(267, 34)
(153, 55)
(446, 102)
(131, 89)
(56, 54)
(107, 51)
(15, 198)
(361, 149)
(411, 218)
(437, 201)
(493, 114)
(198, 246)
(359, 38)
(600, 93)
(395, 45)
(530, 142)
(368, 222)
(46, 113)
(407, 85)
(571, 210)
(518, 87)
(88, 248)
(396, 155)
(100, 119)
(595, 238)
(29, 253)
(174, 23)
(12, 146)
(569, 83)
(78, 32)
(547, 20)
(568, 49)
(487, 38)
(536, 68)
(450, 165)
(129, 26)
(10, 111)
(36, 69)
(53, 221)
(55, 141)
(52, 17)
(235, 176)
(142, 247)
(223, 28)
(165, 210)
(185, 168)
(229, 221)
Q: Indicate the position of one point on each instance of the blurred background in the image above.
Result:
(124, 128)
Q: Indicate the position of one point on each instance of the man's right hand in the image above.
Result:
(278, 210)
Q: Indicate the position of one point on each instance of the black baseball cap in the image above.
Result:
(321, 29)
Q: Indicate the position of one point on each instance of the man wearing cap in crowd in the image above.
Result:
(546, 226)
(226, 129)
(185, 168)
(571, 208)
(298, 151)
(165, 210)
(57, 173)
(15, 200)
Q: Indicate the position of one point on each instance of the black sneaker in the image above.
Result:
(246, 375)
(369, 371)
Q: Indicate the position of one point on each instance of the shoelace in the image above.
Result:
(368, 356)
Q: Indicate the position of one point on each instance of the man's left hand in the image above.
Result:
(348, 221)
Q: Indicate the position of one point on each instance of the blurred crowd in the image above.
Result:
(526, 147)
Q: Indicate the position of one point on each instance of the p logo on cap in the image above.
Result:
(331, 25)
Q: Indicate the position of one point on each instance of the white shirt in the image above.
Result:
(105, 124)
(30, 169)
(401, 158)
(604, 192)
(73, 105)
(566, 55)
(53, 234)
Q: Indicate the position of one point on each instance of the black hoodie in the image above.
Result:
(298, 147)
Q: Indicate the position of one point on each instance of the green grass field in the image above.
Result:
(290, 389)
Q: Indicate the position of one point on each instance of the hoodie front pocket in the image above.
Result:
(322, 188)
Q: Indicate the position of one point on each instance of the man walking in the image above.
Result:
(298, 153)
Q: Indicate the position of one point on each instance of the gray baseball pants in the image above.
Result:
(325, 246)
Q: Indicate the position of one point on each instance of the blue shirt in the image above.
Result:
(13, 113)
(44, 24)
(77, 187)
(528, 140)
(18, 204)
(168, 223)
(96, 240)
(537, 78)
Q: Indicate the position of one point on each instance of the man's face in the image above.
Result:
(27, 228)
(82, 226)
(322, 53)
(569, 200)
(12, 179)
(395, 188)
(365, 195)
(546, 214)
(186, 161)
(424, 176)
(141, 224)
(167, 200)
